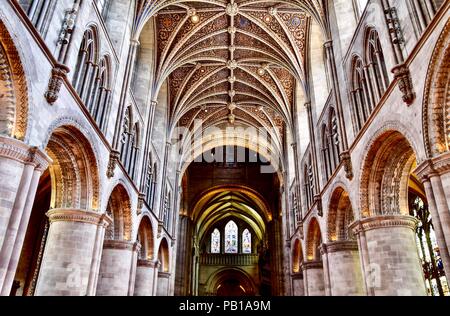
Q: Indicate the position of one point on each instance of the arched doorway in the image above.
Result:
(231, 282)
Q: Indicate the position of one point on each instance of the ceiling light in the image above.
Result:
(261, 71)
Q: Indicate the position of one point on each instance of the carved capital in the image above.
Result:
(145, 263)
(377, 222)
(310, 265)
(79, 216)
(346, 159)
(121, 245)
(403, 76)
(114, 157)
(59, 74)
(17, 150)
(433, 167)
(337, 246)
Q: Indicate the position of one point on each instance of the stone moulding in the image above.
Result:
(384, 221)
(79, 216)
(438, 165)
(312, 265)
(122, 245)
(23, 153)
(337, 246)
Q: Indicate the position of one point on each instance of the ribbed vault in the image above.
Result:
(230, 62)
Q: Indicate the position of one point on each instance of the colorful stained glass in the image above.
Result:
(231, 237)
(215, 241)
(246, 242)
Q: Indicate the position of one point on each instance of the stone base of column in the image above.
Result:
(116, 268)
(394, 267)
(346, 277)
(314, 281)
(298, 286)
(69, 264)
(144, 278)
(163, 284)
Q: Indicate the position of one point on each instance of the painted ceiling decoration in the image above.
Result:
(231, 61)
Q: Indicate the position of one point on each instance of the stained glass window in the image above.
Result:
(231, 238)
(215, 241)
(246, 242)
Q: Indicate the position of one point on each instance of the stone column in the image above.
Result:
(70, 261)
(298, 286)
(163, 284)
(314, 281)
(21, 167)
(435, 176)
(157, 265)
(394, 267)
(344, 268)
(117, 268)
(144, 278)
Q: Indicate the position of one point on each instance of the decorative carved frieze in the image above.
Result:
(59, 74)
(403, 76)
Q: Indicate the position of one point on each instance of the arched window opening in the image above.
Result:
(308, 175)
(129, 149)
(86, 66)
(335, 141)
(246, 242)
(362, 105)
(98, 104)
(326, 152)
(377, 65)
(215, 241)
(231, 237)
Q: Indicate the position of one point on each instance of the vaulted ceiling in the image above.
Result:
(231, 61)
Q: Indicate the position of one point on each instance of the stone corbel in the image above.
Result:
(113, 159)
(318, 202)
(403, 76)
(59, 74)
(140, 205)
(160, 228)
(348, 167)
(300, 230)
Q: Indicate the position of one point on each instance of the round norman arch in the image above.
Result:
(385, 175)
(119, 209)
(436, 101)
(164, 255)
(74, 171)
(146, 238)
(313, 240)
(340, 216)
(13, 89)
(238, 277)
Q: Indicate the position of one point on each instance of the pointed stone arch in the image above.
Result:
(340, 216)
(146, 239)
(164, 255)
